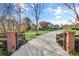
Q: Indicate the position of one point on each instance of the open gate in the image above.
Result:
(61, 39)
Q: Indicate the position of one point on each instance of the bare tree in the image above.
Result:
(36, 11)
(1, 20)
(9, 15)
(73, 8)
(27, 23)
(19, 10)
(6, 13)
(72, 23)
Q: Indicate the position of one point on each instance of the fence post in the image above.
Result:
(70, 42)
(11, 41)
(64, 41)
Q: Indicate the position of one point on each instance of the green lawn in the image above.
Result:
(32, 34)
(76, 31)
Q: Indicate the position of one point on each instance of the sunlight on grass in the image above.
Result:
(70, 30)
(32, 34)
(77, 32)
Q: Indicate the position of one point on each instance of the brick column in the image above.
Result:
(70, 42)
(11, 41)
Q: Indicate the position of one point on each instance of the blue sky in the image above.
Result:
(52, 12)
(55, 13)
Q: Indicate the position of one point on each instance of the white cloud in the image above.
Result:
(59, 21)
(49, 10)
(56, 11)
(20, 5)
(23, 6)
(57, 17)
(77, 8)
(32, 5)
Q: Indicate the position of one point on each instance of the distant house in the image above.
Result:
(50, 25)
(56, 26)
(46, 25)
(33, 26)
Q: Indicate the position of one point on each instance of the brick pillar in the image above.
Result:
(70, 42)
(11, 41)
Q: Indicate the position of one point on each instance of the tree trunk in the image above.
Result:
(37, 28)
(13, 26)
(19, 23)
(19, 28)
(9, 25)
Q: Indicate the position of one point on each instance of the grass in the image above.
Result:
(77, 32)
(70, 30)
(32, 34)
(3, 52)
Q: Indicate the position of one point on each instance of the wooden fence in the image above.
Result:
(3, 37)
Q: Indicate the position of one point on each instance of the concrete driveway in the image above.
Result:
(44, 45)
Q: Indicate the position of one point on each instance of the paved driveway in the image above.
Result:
(44, 45)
